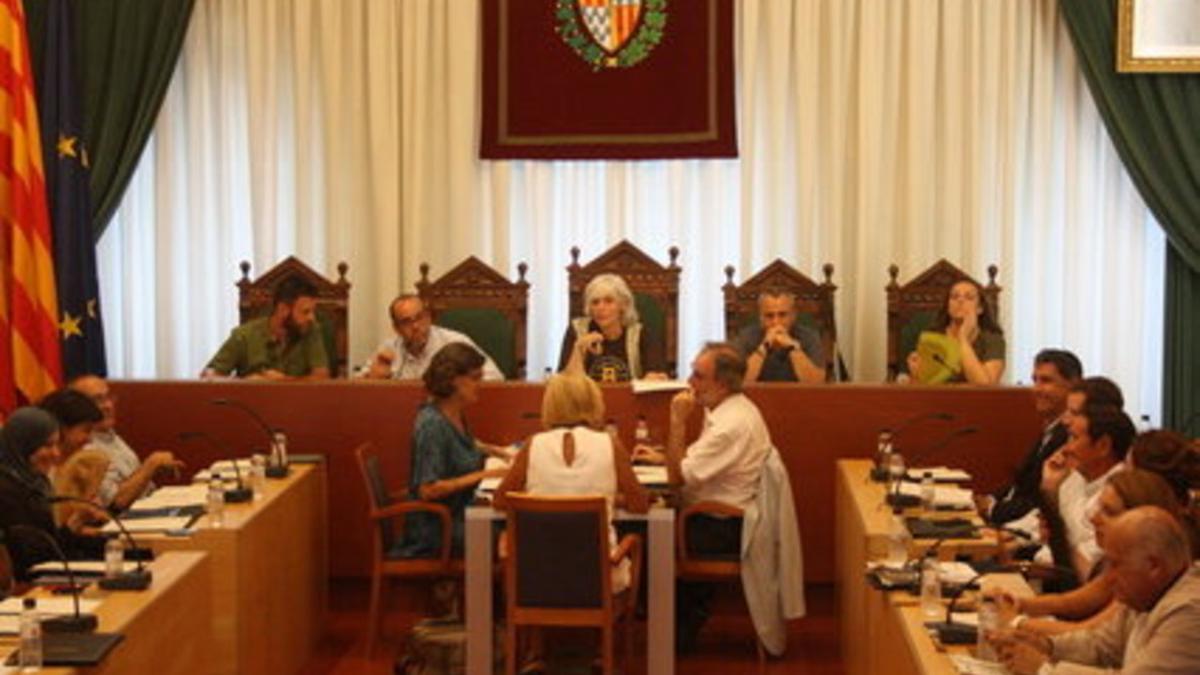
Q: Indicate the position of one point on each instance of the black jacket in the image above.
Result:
(1024, 493)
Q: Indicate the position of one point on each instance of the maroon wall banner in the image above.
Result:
(607, 79)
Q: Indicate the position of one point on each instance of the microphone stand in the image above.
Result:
(237, 495)
(277, 466)
(897, 499)
(77, 623)
(879, 473)
(134, 580)
(951, 633)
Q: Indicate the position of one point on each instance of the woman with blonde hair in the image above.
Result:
(610, 343)
(80, 477)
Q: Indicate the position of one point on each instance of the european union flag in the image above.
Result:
(66, 166)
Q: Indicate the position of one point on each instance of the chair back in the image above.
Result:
(558, 554)
(913, 307)
(256, 298)
(655, 289)
(474, 299)
(377, 491)
(814, 302)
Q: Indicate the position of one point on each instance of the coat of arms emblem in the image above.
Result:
(611, 33)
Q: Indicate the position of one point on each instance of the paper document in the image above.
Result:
(953, 572)
(965, 618)
(56, 606)
(969, 665)
(173, 496)
(941, 474)
(92, 567)
(650, 386)
(944, 496)
(651, 475)
(149, 524)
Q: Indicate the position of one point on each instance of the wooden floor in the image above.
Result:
(725, 645)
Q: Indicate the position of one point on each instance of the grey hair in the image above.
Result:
(776, 292)
(1155, 532)
(729, 366)
(611, 285)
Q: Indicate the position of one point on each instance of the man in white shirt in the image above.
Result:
(723, 465)
(407, 355)
(1099, 436)
(1157, 619)
(128, 478)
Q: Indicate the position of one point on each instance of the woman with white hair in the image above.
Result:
(610, 344)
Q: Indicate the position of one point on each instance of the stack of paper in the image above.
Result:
(57, 606)
(651, 386)
(651, 475)
(941, 474)
(944, 496)
(173, 496)
(148, 524)
(87, 567)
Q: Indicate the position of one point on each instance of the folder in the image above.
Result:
(940, 358)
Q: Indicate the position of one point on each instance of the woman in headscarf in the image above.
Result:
(28, 451)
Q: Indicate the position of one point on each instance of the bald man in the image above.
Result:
(128, 477)
(1157, 628)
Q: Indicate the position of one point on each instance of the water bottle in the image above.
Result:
(641, 433)
(279, 450)
(31, 636)
(258, 475)
(216, 501)
(1144, 424)
(547, 374)
(931, 590)
(883, 451)
(114, 558)
(928, 491)
(989, 622)
(898, 539)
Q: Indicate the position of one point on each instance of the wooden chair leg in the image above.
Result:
(512, 655)
(629, 615)
(373, 614)
(607, 646)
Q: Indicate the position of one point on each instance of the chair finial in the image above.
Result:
(827, 268)
(893, 272)
(575, 256)
(992, 271)
(729, 274)
(674, 253)
(522, 268)
(342, 268)
(245, 266)
(424, 273)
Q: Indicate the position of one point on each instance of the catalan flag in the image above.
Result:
(30, 364)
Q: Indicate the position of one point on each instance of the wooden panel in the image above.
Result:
(270, 575)
(813, 427)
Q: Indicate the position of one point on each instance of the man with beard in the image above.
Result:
(283, 345)
(407, 355)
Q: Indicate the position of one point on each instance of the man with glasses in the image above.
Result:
(777, 348)
(407, 355)
(128, 478)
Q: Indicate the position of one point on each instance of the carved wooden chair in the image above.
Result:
(913, 307)
(814, 303)
(256, 298)
(475, 299)
(655, 290)
(558, 571)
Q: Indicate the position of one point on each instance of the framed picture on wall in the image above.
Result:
(1158, 36)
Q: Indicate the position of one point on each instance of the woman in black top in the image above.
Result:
(610, 344)
(28, 452)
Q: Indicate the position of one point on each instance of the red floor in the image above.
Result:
(725, 645)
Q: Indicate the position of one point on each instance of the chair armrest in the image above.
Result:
(699, 508)
(629, 547)
(417, 506)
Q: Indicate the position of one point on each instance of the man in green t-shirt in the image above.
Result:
(284, 345)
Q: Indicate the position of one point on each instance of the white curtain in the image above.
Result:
(871, 132)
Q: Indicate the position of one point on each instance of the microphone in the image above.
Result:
(133, 580)
(951, 633)
(79, 622)
(887, 435)
(897, 499)
(237, 495)
(277, 466)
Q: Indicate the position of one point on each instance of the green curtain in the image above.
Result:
(1153, 122)
(127, 54)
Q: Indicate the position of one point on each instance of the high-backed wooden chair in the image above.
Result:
(814, 302)
(475, 299)
(913, 307)
(256, 298)
(386, 520)
(655, 290)
(559, 571)
(722, 570)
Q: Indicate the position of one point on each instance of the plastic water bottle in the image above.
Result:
(931, 590)
(279, 450)
(31, 636)
(258, 475)
(216, 501)
(989, 621)
(114, 558)
(898, 539)
(883, 450)
(641, 433)
(928, 491)
(1144, 424)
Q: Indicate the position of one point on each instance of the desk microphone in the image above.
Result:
(74, 623)
(237, 495)
(277, 465)
(887, 435)
(133, 580)
(951, 633)
(897, 499)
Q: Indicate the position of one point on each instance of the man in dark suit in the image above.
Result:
(1054, 372)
